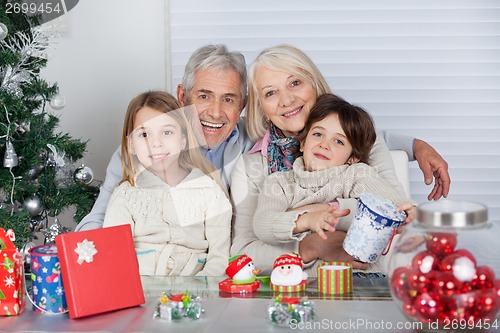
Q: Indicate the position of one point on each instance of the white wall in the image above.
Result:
(427, 68)
(109, 52)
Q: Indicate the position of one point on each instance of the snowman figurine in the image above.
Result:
(287, 271)
(241, 274)
(241, 269)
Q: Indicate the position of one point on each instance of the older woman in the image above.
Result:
(284, 84)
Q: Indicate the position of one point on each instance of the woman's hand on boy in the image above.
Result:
(312, 247)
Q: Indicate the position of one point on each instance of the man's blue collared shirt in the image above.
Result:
(216, 154)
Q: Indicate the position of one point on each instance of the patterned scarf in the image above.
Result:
(280, 151)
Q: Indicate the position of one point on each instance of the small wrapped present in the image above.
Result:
(285, 311)
(176, 307)
(335, 278)
(12, 300)
(48, 290)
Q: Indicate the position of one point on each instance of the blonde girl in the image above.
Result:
(170, 195)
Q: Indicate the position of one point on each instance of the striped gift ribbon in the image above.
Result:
(335, 278)
(289, 289)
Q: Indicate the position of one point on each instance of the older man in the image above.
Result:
(215, 81)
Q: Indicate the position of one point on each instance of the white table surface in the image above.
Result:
(368, 309)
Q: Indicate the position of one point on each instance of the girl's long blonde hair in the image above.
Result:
(190, 157)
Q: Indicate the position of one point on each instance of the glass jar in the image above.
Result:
(445, 269)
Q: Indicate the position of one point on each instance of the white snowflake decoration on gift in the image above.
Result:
(9, 281)
(59, 291)
(35, 290)
(86, 251)
(39, 279)
(44, 290)
(46, 258)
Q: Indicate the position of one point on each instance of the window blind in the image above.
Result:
(425, 68)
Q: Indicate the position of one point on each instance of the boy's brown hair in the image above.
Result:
(354, 120)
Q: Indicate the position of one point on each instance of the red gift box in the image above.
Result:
(99, 270)
(12, 300)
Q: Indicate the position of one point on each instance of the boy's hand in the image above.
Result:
(320, 221)
(411, 212)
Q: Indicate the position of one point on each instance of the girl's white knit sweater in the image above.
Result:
(180, 230)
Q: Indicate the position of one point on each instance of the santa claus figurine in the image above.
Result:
(287, 271)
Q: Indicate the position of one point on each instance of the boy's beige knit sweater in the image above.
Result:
(286, 190)
(298, 187)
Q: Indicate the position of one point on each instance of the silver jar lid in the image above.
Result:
(449, 213)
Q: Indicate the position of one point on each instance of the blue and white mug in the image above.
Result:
(372, 228)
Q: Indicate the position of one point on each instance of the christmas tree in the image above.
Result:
(37, 177)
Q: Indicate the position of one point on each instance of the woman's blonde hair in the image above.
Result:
(190, 157)
(283, 58)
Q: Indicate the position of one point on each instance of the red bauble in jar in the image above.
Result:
(484, 278)
(399, 284)
(429, 307)
(422, 282)
(441, 243)
(425, 262)
(447, 284)
(445, 266)
(496, 285)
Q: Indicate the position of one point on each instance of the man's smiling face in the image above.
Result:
(218, 101)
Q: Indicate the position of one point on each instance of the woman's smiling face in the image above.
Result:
(285, 99)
